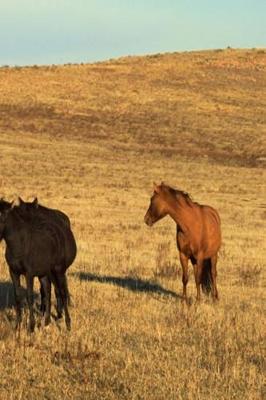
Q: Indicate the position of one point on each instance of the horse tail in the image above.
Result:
(206, 277)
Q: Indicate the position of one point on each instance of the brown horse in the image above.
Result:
(198, 234)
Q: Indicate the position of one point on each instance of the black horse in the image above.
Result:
(36, 247)
(33, 210)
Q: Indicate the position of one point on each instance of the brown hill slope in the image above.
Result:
(199, 104)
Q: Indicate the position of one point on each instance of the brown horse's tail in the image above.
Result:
(206, 278)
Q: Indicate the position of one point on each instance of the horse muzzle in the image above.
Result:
(148, 220)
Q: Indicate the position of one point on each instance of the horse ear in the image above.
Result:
(16, 202)
(156, 188)
(35, 202)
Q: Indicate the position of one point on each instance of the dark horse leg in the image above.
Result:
(17, 293)
(62, 285)
(29, 282)
(184, 264)
(59, 304)
(46, 288)
(43, 300)
(214, 275)
(68, 294)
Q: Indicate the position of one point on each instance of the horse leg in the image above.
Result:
(29, 282)
(62, 285)
(43, 300)
(59, 304)
(46, 287)
(214, 275)
(184, 264)
(68, 294)
(198, 266)
(17, 293)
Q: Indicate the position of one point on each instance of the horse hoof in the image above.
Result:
(31, 327)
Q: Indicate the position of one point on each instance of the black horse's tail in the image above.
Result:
(206, 277)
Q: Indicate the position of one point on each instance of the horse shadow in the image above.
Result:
(131, 283)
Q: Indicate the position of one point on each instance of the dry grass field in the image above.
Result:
(90, 140)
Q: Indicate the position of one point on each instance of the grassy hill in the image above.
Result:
(90, 140)
(194, 104)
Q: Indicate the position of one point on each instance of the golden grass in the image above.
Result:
(90, 140)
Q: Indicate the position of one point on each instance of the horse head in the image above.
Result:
(158, 208)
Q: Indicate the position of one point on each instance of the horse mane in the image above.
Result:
(178, 192)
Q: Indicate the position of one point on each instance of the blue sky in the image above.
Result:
(61, 31)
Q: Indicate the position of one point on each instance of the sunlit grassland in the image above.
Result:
(91, 140)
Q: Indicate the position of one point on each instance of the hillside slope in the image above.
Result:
(200, 104)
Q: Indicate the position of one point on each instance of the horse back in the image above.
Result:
(54, 215)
